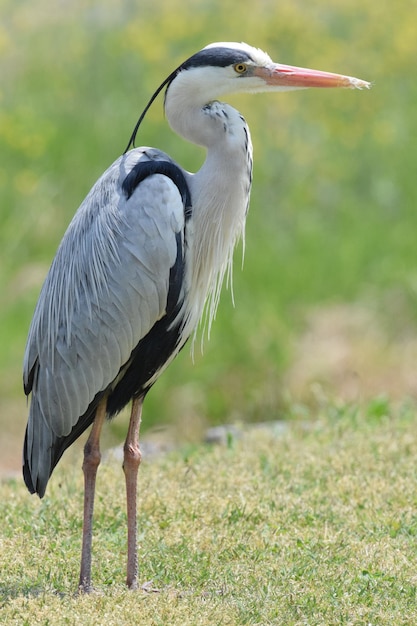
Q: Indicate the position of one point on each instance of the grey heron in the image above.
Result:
(143, 256)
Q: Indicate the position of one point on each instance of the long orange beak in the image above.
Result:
(287, 77)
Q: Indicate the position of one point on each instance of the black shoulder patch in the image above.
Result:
(143, 169)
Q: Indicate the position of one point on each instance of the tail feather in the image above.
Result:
(43, 449)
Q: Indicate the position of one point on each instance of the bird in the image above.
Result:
(142, 261)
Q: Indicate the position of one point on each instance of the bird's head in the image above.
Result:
(227, 67)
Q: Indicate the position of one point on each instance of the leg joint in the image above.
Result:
(132, 455)
(92, 455)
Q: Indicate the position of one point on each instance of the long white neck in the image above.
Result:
(220, 191)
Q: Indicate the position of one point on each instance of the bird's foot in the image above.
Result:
(85, 586)
(132, 583)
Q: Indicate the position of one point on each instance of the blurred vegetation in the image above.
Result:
(332, 214)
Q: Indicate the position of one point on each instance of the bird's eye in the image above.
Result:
(240, 68)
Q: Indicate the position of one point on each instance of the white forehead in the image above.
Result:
(260, 57)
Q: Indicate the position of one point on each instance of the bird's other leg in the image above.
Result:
(131, 462)
(92, 457)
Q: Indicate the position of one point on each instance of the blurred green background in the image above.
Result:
(326, 302)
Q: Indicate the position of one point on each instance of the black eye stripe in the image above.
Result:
(218, 57)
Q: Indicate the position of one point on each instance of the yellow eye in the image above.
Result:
(240, 68)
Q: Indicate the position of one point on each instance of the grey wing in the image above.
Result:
(107, 287)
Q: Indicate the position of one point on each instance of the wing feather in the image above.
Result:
(107, 287)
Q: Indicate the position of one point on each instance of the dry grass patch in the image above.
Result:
(357, 350)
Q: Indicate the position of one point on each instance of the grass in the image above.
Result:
(316, 526)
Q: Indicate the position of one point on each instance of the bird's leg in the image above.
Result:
(131, 462)
(92, 457)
